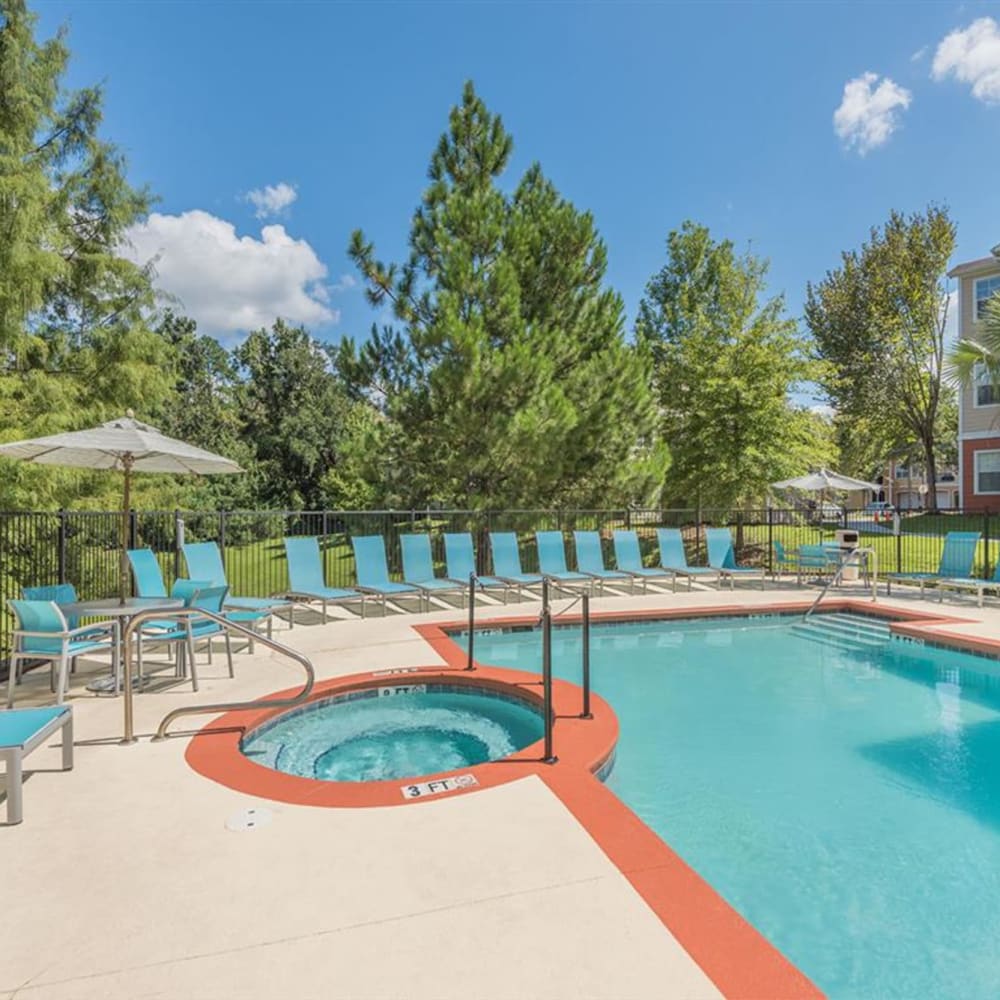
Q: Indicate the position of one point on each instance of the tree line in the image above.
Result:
(505, 374)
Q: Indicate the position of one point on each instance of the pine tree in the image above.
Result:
(505, 379)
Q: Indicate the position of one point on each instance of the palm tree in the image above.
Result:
(970, 361)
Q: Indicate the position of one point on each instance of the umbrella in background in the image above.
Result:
(824, 479)
(126, 444)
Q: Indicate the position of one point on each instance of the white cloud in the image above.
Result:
(869, 114)
(919, 54)
(231, 283)
(344, 283)
(272, 199)
(823, 410)
(972, 55)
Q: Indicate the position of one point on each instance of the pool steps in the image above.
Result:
(845, 630)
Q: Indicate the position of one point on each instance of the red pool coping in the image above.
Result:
(737, 958)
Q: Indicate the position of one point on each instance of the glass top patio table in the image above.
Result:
(112, 607)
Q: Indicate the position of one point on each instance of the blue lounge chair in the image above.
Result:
(673, 558)
(590, 560)
(552, 561)
(307, 579)
(147, 573)
(461, 559)
(980, 586)
(41, 632)
(722, 557)
(628, 558)
(373, 571)
(957, 557)
(21, 731)
(418, 569)
(204, 562)
(507, 561)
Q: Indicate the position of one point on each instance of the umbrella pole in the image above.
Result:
(126, 508)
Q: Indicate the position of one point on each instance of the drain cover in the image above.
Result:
(249, 819)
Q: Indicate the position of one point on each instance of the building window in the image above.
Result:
(985, 390)
(985, 288)
(988, 471)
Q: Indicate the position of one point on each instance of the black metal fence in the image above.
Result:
(81, 547)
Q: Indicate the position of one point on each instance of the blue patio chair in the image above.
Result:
(307, 579)
(957, 556)
(61, 593)
(21, 731)
(204, 562)
(147, 573)
(722, 557)
(41, 632)
(673, 558)
(461, 559)
(590, 560)
(372, 571)
(818, 560)
(628, 558)
(189, 631)
(418, 568)
(552, 561)
(507, 561)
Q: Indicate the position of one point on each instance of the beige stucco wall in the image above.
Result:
(974, 418)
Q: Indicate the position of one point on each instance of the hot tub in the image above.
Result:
(395, 731)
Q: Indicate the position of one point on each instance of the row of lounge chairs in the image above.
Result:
(307, 578)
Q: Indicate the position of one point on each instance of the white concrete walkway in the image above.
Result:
(124, 881)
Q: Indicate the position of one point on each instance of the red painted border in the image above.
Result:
(584, 745)
(732, 953)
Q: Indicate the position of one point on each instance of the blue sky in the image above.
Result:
(645, 114)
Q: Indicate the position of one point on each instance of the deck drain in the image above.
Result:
(249, 819)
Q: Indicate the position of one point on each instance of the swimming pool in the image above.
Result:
(839, 788)
(394, 731)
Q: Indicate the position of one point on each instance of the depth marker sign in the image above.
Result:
(424, 788)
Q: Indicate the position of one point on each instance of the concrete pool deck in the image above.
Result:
(124, 881)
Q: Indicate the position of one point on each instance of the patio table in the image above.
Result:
(112, 607)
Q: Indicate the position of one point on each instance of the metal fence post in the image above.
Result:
(986, 539)
(898, 528)
(62, 545)
(178, 542)
(770, 541)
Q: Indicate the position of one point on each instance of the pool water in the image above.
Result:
(394, 735)
(845, 801)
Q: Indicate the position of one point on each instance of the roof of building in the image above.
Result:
(991, 263)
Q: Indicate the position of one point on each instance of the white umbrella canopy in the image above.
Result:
(126, 444)
(824, 479)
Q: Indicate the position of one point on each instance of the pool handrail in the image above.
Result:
(137, 621)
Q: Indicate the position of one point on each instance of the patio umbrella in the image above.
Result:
(824, 479)
(126, 444)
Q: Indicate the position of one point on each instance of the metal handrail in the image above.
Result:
(144, 616)
(842, 564)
